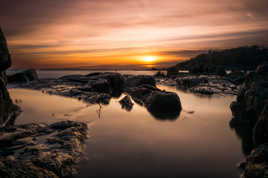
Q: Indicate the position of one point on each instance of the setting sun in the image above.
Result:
(149, 58)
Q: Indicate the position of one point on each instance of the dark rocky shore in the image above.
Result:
(34, 150)
(100, 88)
(251, 110)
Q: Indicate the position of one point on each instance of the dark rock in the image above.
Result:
(172, 71)
(160, 74)
(74, 78)
(164, 105)
(40, 150)
(5, 59)
(23, 77)
(115, 81)
(236, 77)
(137, 80)
(126, 103)
(161, 104)
(99, 98)
(141, 93)
(100, 85)
(8, 111)
(256, 163)
(251, 106)
(190, 81)
(220, 71)
(251, 97)
(205, 84)
(262, 69)
(260, 131)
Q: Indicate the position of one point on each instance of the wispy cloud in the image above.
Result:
(39, 32)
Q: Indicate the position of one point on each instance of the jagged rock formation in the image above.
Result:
(8, 111)
(34, 150)
(252, 96)
(5, 61)
(40, 150)
(251, 108)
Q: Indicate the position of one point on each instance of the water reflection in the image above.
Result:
(99, 111)
(136, 144)
(164, 117)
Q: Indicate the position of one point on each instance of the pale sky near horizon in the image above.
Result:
(123, 33)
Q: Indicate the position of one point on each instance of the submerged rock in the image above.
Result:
(23, 77)
(40, 150)
(126, 103)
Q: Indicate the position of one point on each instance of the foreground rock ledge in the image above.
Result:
(40, 150)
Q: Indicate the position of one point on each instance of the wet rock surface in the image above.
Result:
(251, 110)
(40, 150)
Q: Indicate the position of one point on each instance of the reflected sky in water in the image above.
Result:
(199, 143)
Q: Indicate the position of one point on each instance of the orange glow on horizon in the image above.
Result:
(149, 59)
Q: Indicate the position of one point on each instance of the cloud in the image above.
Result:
(38, 28)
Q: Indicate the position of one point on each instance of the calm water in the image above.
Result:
(135, 144)
(59, 73)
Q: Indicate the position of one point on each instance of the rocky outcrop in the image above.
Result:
(40, 150)
(8, 111)
(256, 163)
(252, 96)
(99, 88)
(23, 77)
(141, 93)
(5, 61)
(126, 103)
(251, 109)
(137, 80)
(163, 105)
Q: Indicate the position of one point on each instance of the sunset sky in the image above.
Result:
(127, 33)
